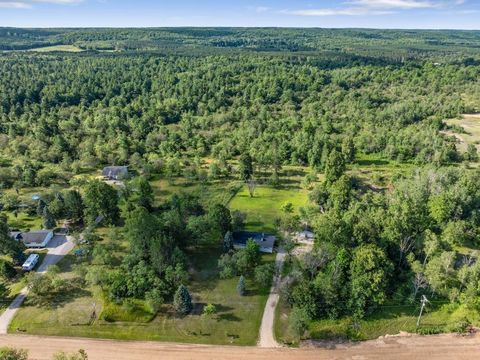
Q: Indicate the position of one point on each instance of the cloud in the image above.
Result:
(395, 4)
(28, 4)
(14, 5)
(334, 12)
(262, 9)
(375, 7)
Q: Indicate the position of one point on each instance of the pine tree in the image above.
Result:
(241, 286)
(48, 219)
(228, 242)
(182, 301)
(40, 207)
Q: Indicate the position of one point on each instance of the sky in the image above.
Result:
(406, 14)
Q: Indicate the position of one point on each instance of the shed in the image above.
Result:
(265, 241)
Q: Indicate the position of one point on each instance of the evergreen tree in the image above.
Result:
(48, 219)
(182, 301)
(228, 242)
(241, 288)
(40, 206)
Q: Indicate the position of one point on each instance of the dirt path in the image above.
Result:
(267, 337)
(442, 347)
(58, 247)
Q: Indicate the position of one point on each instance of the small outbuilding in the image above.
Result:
(306, 236)
(265, 241)
(115, 172)
(37, 239)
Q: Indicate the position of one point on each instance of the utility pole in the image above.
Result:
(424, 302)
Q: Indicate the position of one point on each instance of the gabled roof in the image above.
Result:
(31, 237)
(265, 241)
(114, 170)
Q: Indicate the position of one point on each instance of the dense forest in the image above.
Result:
(248, 102)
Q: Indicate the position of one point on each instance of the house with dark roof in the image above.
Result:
(115, 172)
(265, 241)
(37, 239)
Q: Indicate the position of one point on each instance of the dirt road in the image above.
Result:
(267, 337)
(442, 347)
(58, 247)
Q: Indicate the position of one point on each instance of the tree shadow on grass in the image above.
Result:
(370, 162)
(228, 317)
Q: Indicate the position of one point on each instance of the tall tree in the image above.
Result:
(74, 207)
(245, 167)
(48, 219)
(101, 200)
(334, 167)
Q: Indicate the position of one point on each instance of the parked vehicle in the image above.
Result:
(31, 262)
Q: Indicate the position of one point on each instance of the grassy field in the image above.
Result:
(437, 318)
(471, 134)
(236, 322)
(61, 48)
(377, 171)
(23, 221)
(211, 192)
(265, 206)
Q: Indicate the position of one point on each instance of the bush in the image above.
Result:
(264, 275)
(298, 322)
(80, 355)
(210, 309)
(13, 354)
(7, 270)
(154, 300)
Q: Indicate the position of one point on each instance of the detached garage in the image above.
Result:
(37, 239)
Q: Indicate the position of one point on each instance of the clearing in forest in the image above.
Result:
(466, 130)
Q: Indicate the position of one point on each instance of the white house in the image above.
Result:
(37, 239)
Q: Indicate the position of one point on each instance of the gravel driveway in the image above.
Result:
(267, 338)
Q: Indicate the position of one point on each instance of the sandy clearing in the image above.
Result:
(441, 347)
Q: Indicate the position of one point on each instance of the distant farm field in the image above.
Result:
(471, 130)
(61, 48)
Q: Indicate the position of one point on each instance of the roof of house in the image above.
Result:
(31, 237)
(265, 241)
(115, 170)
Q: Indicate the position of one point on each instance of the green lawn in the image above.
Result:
(23, 221)
(237, 321)
(392, 319)
(265, 206)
